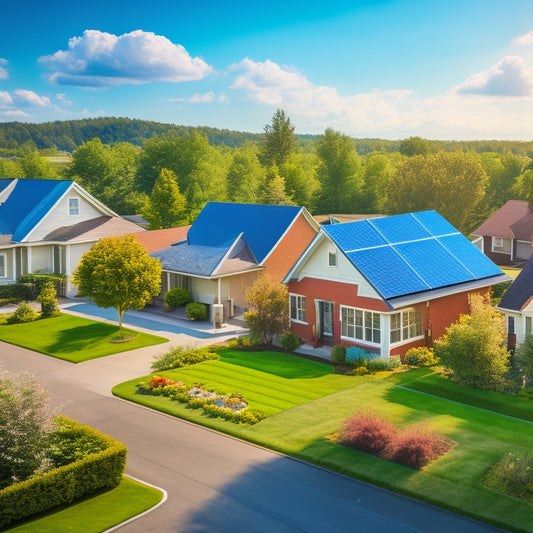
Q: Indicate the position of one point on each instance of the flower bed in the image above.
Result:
(232, 408)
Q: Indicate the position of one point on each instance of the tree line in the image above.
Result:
(170, 177)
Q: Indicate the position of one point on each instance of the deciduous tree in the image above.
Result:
(279, 140)
(117, 272)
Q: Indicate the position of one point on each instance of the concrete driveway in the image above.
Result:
(216, 483)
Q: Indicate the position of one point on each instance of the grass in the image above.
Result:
(73, 338)
(96, 513)
(306, 402)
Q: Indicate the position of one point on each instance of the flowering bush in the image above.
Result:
(179, 356)
(421, 356)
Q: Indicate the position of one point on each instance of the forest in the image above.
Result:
(167, 173)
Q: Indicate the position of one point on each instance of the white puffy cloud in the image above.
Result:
(524, 40)
(99, 59)
(389, 114)
(3, 72)
(510, 77)
(5, 99)
(205, 98)
(31, 99)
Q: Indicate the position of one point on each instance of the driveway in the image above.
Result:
(216, 483)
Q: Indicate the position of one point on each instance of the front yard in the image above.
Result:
(305, 403)
(73, 338)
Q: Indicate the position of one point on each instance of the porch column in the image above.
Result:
(168, 281)
(13, 263)
(29, 260)
(385, 336)
(219, 291)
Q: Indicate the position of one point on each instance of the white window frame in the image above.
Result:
(73, 206)
(299, 307)
(332, 259)
(362, 325)
(3, 265)
(405, 326)
(497, 244)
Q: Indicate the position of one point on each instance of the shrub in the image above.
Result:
(177, 297)
(379, 364)
(367, 433)
(416, 447)
(48, 300)
(24, 313)
(239, 342)
(421, 356)
(526, 393)
(512, 475)
(179, 356)
(290, 341)
(196, 311)
(338, 354)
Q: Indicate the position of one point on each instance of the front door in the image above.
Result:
(325, 318)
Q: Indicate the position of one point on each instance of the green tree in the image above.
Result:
(279, 140)
(338, 174)
(245, 175)
(166, 207)
(415, 146)
(299, 172)
(269, 309)
(453, 184)
(524, 358)
(36, 167)
(25, 425)
(117, 272)
(272, 191)
(474, 350)
(377, 174)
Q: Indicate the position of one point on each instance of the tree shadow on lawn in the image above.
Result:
(80, 337)
(276, 363)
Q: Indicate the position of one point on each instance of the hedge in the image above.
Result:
(102, 470)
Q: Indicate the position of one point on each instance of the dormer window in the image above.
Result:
(332, 259)
(73, 206)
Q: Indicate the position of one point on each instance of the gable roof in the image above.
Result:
(25, 202)
(262, 226)
(410, 254)
(94, 229)
(512, 221)
(159, 239)
(517, 296)
(206, 261)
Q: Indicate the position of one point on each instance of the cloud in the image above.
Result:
(3, 72)
(524, 40)
(63, 99)
(30, 99)
(5, 99)
(205, 98)
(510, 77)
(99, 59)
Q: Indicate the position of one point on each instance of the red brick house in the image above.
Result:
(386, 284)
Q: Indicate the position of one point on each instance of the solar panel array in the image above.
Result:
(410, 253)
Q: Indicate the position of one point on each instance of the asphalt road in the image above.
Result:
(216, 483)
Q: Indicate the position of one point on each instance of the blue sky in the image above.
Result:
(385, 68)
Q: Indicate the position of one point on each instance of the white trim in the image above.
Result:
(4, 257)
(298, 308)
(363, 340)
(72, 208)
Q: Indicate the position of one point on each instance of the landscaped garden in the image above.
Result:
(305, 405)
(73, 338)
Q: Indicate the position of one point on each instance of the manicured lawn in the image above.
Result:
(97, 513)
(73, 338)
(306, 403)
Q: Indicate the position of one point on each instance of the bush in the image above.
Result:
(416, 447)
(513, 475)
(102, 470)
(177, 297)
(179, 356)
(48, 300)
(367, 433)
(379, 364)
(35, 282)
(290, 341)
(526, 393)
(239, 342)
(196, 311)
(421, 356)
(338, 354)
(24, 313)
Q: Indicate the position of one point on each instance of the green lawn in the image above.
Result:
(306, 402)
(73, 338)
(96, 513)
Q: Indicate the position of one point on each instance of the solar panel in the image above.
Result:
(387, 271)
(355, 235)
(433, 263)
(434, 223)
(400, 228)
(471, 257)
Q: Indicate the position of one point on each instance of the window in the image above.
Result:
(528, 325)
(510, 324)
(332, 259)
(3, 265)
(405, 325)
(360, 325)
(73, 206)
(298, 308)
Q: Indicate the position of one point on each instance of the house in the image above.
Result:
(386, 284)
(517, 304)
(158, 239)
(229, 245)
(47, 225)
(507, 236)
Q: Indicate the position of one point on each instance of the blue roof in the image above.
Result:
(405, 254)
(262, 226)
(26, 205)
